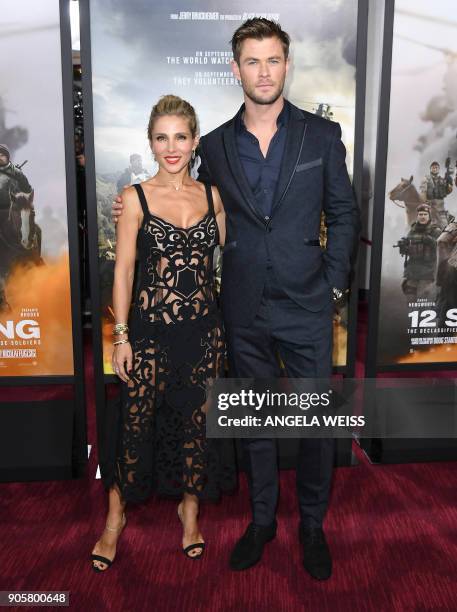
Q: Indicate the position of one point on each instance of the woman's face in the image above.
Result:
(172, 142)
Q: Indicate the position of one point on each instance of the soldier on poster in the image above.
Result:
(418, 292)
(447, 271)
(20, 236)
(36, 194)
(134, 174)
(12, 178)
(419, 250)
(434, 189)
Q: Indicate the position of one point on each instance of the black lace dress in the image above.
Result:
(177, 341)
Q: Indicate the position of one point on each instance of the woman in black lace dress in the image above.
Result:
(174, 342)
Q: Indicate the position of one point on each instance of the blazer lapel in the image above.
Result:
(236, 168)
(296, 131)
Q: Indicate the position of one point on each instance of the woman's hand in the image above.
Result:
(122, 361)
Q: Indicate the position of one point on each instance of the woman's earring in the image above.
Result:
(193, 155)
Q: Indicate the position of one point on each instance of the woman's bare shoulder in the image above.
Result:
(198, 185)
(129, 192)
(131, 201)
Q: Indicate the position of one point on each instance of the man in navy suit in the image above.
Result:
(277, 168)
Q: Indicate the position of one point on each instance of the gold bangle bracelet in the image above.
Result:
(120, 327)
(120, 342)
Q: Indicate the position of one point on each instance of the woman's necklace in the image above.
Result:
(176, 186)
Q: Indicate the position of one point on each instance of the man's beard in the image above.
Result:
(264, 101)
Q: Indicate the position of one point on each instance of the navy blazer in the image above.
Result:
(313, 178)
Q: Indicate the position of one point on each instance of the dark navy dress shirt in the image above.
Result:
(262, 172)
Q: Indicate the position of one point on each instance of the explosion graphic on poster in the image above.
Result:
(35, 305)
(32, 337)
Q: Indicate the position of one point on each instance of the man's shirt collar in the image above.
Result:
(282, 119)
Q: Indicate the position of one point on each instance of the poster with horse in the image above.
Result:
(418, 298)
(35, 302)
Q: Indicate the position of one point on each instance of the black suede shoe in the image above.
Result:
(316, 554)
(248, 550)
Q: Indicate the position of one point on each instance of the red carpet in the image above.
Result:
(392, 530)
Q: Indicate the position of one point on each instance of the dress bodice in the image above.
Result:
(176, 266)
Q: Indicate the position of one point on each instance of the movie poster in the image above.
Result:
(418, 305)
(142, 50)
(35, 306)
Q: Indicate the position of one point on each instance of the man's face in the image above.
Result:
(262, 69)
(4, 159)
(423, 217)
(435, 169)
(136, 163)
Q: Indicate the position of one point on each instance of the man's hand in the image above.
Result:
(117, 207)
(339, 297)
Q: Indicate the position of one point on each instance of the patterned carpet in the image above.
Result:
(392, 530)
